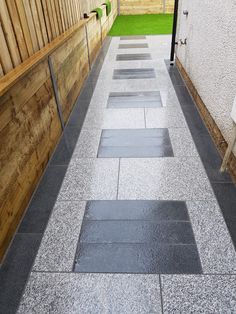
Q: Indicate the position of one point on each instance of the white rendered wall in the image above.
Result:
(210, 55)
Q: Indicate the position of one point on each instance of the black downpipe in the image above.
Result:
(172, 54)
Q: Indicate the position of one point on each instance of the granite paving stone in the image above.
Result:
(142, 73)
(215, 246)
(134, 100)
(115, 119)
(136, 210)
(138, 258)
(181, 178)
(165, 117)
(198, 294)
(62, 293)
(129, 46)
(129, 143)
(90, 179)
(57, 250)
(137, 232)
(182, 143)
(133, 56)
(87, 145)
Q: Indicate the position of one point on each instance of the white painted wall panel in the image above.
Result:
(209, 57)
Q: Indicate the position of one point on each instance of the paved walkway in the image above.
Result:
(136, 227)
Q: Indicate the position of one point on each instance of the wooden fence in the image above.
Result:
(30, 123)
(26, 26)
(88, 6)
(129, 7)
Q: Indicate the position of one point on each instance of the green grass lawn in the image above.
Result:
(147, 24)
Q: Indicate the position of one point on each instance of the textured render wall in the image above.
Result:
(209, 57)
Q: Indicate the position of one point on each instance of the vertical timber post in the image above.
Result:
(164, 6)
(118, 7)
(87, 41)
(172, 54)
(55, 89)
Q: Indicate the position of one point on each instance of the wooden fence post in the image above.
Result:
(87, 41)
(55, 89)
(164, 6)
(118, 6)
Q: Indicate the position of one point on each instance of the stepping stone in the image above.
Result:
(126, 74)
(135, 56)
(132, 37)
(137, 237)
(134, 100)
(130, 46)
(135, 143)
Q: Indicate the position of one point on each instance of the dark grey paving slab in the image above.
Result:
(133, 56)
(226, 196)
(231, 224)
(135, 143)
(51, 181)
(65, 148)
(63, 152)
(174, 74)
(137, 152)
(135, 132)
(15, 269)
(37, 214)
(79, 112)
(136, 210)
(132, 37)
(137, 258)
(130, 46)
(127, 142)
(134, 100)
(141, 73)
(210, 158)
(136, 232)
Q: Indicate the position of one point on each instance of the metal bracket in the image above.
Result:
(55, 89)
(185, 12)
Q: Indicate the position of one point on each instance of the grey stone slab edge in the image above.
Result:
(97, 66)
(194, 136)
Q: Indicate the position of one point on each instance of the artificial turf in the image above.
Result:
(146, 24)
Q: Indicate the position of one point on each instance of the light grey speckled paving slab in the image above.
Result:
(88, 179)
(58, 247)
(214, 243)
(164, 179)
(68, 293)
(198, 294)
